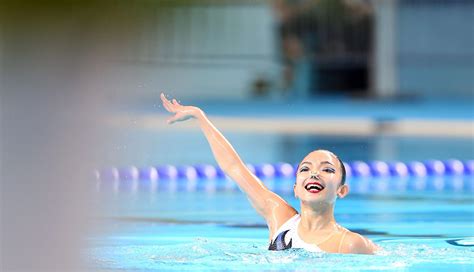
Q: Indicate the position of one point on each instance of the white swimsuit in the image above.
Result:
(287, 237)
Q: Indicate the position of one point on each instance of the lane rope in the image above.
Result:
(427, 168)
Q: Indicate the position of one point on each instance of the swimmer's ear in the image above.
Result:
(342, 191)
(294, 190)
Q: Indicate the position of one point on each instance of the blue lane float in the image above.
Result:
(435, 167)
(417, 169)
(187, 172)
(358, 169)
(167, 171)
(265, 170)
(283, 169)
(379, 168)
(148, 173)
(398, 169)
(469, 167)
(128, 173)
(220, 172)
(206, 171)
(454, 167)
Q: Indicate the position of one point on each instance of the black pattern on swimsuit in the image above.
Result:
(279, 242)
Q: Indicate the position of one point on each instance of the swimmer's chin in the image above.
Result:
(314, 199)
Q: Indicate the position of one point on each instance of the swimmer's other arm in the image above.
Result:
(272, 207)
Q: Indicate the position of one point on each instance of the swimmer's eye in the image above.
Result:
(329, 170)
(303, 169)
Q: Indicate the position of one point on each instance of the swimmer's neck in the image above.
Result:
(317, 218)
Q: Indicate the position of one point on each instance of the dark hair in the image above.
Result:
(343, 170)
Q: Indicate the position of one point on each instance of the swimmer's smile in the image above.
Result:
(314, 187)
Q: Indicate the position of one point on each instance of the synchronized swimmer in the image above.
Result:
(320, 180)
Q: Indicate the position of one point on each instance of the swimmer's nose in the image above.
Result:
(315, 175)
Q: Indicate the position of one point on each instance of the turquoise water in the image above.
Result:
(215, 228)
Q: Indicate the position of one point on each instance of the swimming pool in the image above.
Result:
(211, 226)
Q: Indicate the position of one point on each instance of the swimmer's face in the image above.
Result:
(318, 178)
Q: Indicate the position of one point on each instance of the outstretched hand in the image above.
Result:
(181, 113)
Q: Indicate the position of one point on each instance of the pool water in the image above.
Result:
(174, 228)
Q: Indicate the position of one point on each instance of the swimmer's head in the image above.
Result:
(321, 175)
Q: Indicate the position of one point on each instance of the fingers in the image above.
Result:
(166, 103)
(173, 119)
(171, 107)
(166, 107)
(163, 97)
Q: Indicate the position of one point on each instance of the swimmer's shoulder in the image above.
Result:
(279, 219)
(355, 243)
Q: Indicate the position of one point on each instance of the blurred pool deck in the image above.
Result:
(341, 116)
(375, 109)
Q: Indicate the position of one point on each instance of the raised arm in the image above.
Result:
(268, 204)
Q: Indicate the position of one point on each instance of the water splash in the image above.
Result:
(205, 253)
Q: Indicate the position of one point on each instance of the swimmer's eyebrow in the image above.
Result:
(301, 164)
(323, 162)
